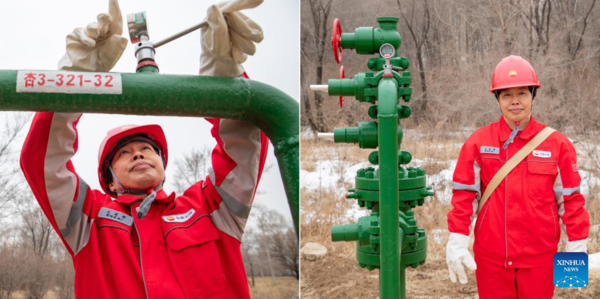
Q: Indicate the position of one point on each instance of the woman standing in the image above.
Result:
(517, 229)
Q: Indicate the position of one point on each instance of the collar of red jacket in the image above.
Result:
(160, 196)
(533, 127)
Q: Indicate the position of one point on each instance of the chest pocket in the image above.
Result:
(195, 257)
(540, 179)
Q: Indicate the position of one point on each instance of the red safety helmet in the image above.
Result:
(513, 71)
(153, 132)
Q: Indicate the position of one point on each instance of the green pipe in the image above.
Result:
(388, 185)
(347, 232)
(268, 108)
(402, 281)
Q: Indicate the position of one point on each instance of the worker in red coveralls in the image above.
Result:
(517, 231)
(132, 239)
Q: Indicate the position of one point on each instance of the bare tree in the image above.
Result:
(537, 21)
(419, 26)
(278, 241)
(193, 167)
(10, 180)
(249, 252)
(575, 46)
(36, 228)
(317, 34)
(284, 246)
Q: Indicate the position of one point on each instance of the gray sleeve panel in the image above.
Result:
(77, 229)
(61, 183)
(568, 191)
(560, 198)
(477, 188)
(234, 206)
(227, 223)
(459, 186)
(242, 143)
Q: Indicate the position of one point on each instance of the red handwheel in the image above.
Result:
(335, 40)
(342, 76)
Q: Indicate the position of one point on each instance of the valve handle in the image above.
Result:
(342, 76)
(335, 40)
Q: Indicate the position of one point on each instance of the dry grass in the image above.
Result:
(313, 150)
(283, 288)
(323, 208)
(24, 295)
(320, 210)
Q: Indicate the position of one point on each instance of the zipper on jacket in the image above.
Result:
(505, 208)
(141, 260)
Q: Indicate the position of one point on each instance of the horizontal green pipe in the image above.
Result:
(346, 232)
(271, 110)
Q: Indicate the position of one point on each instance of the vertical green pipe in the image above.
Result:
(402, 281)
(388, 185)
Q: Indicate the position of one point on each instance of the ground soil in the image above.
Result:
(282, 288)
(337, 275)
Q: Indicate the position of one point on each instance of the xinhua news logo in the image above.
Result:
(570, 270)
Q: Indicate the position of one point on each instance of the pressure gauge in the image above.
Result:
(138, 26)
(387, 51)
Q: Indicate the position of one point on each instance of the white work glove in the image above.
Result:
(97, 47)
(457, 254)
(228, 39)
(577, 246)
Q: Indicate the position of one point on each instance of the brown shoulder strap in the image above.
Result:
(514, 161)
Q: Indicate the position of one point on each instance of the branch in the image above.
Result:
(585, 22)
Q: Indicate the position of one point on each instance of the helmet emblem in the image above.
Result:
(512, 73)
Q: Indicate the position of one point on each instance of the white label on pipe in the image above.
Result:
(69, 82)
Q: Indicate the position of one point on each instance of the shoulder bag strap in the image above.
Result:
(516, 159)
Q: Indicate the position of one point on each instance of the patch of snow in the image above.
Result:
(594, 260)
(439, 235)
(330, 175)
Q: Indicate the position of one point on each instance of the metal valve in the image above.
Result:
(335, 40)
(387, 51)
(144, 48)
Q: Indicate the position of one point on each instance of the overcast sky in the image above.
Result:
(32, 34)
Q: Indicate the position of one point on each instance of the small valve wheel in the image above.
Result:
(342, 76)
(335, 40)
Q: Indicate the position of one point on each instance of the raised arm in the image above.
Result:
(64, 197)
(237, 161)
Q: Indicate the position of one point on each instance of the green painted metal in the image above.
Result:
(368, 40)
(273, 111)
(365, 134)
(148, 69)
(376, 63)
(388, 187)
(389, 238)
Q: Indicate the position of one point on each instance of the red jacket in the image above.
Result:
(518, 227)
(187, 246)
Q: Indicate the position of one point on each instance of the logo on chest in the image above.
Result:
(179, 217)
(490, 150)
(542, 154)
